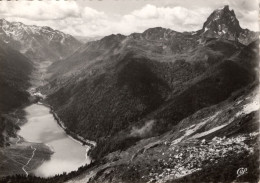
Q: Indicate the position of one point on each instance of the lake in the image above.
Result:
(41, 127)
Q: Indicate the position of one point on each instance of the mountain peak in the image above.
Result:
(226, 8)
(36, 42)
(222, 20)
(225, 11)
(3, 21)
(222, 23)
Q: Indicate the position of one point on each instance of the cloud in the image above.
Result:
(249, 20)
(92, 14)
(39, 10)
(72, 18)
(176, 18)
(147, 12)
(144, 130)
(244, 5)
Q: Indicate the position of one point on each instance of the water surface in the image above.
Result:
(41, 127)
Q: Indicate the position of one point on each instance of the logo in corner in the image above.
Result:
(241, 171)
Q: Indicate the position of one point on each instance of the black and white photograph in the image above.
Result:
(129, 91)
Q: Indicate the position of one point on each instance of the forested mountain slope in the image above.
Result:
(163, 106)
(15, 70)
(110, 86)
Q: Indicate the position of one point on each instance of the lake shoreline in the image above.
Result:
(49, 132)
(74, 136)
(38, 98)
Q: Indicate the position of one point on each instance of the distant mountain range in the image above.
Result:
(108, 86)
(45, 43)
(85, 39)
(155, 101)
(161, 41)
(37, 43)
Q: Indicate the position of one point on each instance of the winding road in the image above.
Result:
(23, 168)
(18, 139)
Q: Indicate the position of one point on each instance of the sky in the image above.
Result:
(92, 18)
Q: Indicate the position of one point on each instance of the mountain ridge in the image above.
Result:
(163, 106)
(37, 42)
(222, 23)
(132, 76)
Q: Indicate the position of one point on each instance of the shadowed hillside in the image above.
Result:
(163, 106)
(104, 99)
(14, 73)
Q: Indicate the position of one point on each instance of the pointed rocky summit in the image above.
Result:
(222, 23)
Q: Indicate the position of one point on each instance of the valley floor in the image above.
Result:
(22, 157)
(19, 156)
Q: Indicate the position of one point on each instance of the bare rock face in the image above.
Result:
(37, 43)
(222, 23)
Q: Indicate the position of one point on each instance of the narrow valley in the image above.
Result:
(41, 127)
(151, 106)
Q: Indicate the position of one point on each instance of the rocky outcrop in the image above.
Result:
(222, 23)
